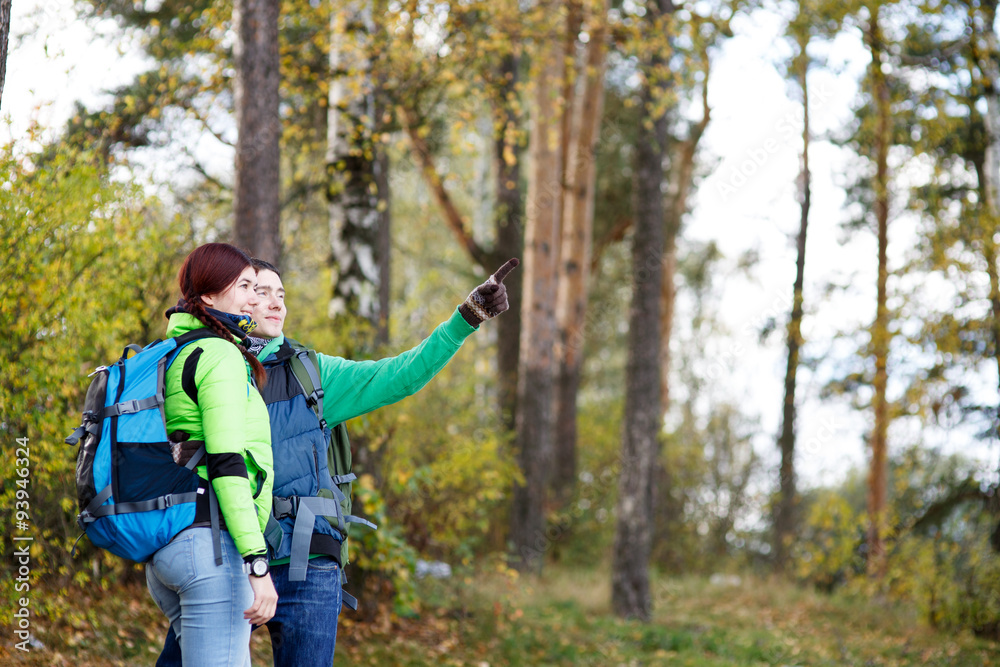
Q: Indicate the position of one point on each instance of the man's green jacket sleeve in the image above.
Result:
(353, 388)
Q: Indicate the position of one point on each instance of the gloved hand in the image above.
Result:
(489, 299)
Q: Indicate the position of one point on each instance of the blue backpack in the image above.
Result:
(133, 497)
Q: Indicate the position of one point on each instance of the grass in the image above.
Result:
(491, 619)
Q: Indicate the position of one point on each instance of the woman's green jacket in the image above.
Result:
(231, 419)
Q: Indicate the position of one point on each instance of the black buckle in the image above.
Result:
(284, 507)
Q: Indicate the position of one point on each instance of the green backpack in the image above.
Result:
(304, 366)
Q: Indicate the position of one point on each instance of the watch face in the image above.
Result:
(259, 567)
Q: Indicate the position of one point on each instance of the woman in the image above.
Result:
(211, 398)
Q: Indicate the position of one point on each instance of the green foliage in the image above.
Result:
(827, 552)
(583, 532)
(448, 468)
(955, 582)
(940, 558)
(385, 559)
(88, 268)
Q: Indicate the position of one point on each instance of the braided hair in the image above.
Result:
(210, 269)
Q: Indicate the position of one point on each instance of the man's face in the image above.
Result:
(270, 310)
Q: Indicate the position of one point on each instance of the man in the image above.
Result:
(306, 567)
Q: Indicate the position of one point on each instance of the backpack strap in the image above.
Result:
(304, 365)
(305, 509)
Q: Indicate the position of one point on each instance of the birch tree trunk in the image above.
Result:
(630, 590)
(877, 491)
(785, 520)
(256, 200)
(575, 255)
(357, 265)
(535, 418)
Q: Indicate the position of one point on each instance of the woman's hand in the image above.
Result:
(265, 600)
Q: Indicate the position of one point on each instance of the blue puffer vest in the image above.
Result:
(299, 442)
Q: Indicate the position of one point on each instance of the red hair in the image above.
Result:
(211, 269)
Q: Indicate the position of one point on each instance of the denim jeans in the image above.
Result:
(304, 628)
(203, 601)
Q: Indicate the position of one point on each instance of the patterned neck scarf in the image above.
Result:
(239, 325)
(255, 345)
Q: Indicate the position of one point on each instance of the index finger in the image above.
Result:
(502, 272)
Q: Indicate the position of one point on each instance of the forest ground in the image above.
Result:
(490, 619)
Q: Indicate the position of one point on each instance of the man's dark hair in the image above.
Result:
(261, 265)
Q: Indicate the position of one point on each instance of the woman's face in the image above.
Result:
(240, 298)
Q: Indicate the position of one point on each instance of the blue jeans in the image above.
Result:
(203, 601)
(304, 628)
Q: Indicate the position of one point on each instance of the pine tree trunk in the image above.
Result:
(575, 258)
(989, 188)
(384, 246)
(509, 236)
(785, 520)
(877, 483)
(630, 590)
(991, 72)
(535, 416)
(5, 6)
(352, 192)
(256, 200)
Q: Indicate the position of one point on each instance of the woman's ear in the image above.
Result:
(208, 300)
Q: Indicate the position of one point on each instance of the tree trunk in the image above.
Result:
(5, 6)
(384, 245)
(989, 188)
(630, 594)
(567, 99)
(991, 72)
(535, 417)
(509, 234)
(630, 590)
(785, 520)
(575, 257)
(256, 197)
(352, 194)
(877, 492)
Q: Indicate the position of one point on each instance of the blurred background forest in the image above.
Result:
(680, 391)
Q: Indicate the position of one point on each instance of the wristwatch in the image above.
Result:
(259, 567)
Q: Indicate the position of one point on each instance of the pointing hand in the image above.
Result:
(489, 299)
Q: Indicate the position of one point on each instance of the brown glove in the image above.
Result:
(489, 299)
